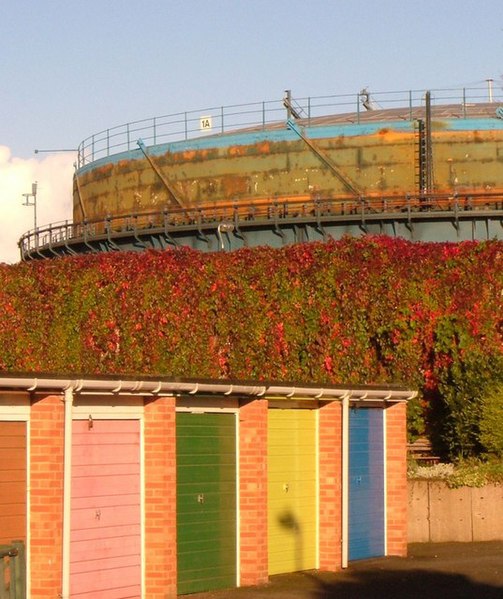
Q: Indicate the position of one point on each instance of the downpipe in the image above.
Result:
(67, 490)
(345, 480)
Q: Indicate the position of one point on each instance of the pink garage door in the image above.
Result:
(105, 550)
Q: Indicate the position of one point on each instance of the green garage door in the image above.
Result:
(206, 501)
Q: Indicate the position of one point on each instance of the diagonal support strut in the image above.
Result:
(158, 172)
(323, 156)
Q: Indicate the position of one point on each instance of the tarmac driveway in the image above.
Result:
(432, 570)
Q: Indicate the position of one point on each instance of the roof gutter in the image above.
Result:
(177, 387)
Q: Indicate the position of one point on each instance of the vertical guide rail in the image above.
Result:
(428, 147)
(13, 571)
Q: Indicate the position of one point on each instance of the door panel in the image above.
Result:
(292, 520)
(366, 483)
(206, 502)
(12, 482)
(105, 549)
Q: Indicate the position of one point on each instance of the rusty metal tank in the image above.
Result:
(286, 171)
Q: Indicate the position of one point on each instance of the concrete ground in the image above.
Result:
(431, 571)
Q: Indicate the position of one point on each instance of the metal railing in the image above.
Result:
(12, 571)
(221, 119)
(266, 212)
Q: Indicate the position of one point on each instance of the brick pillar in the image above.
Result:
(46, 496)
(253, 492)
(330, 472)
(160, 498)
(396, 479)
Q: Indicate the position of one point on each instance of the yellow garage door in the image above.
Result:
(292, 483)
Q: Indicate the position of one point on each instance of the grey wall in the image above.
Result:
(438, 514)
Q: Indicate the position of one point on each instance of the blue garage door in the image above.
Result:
(366, 483)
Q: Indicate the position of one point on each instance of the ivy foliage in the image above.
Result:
(354, 311)
(491, 422)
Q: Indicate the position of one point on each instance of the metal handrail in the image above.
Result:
(189, 125)
(261, 212)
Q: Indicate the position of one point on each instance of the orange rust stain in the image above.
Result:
(392, 135)
(105, 169)
(264, 147)
(236, 151)
(235, 186)
(189, 155)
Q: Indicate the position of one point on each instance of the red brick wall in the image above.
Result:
(46, 480)
(396, 463)
(330, 470)
(160, 499)
(253, 492)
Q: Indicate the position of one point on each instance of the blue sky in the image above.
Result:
(70, 69)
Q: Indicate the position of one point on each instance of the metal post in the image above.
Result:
(288, 104)
(222, 118)
(33, 203)
(490, 89)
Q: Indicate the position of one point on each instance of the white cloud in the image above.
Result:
(54, 196)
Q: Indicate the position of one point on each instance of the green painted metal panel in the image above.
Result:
(206, 501)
